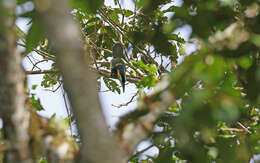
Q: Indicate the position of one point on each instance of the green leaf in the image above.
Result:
(87, 5)
(93, 21)
(34, 37)
(67, 121)
(23, 1)
(34, 86)
(115, 2)
(256, 39)
(147, 81)
(150, 69)
(50, 79)
(128, 13)
(175, 37)
(29, 14)
(114, 16)
(245, 62)
(42, 160)
(36, 103)
(90, 29)
(53, 117)
(111, 85)
(142, 3)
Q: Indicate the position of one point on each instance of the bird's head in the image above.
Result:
(118, 50)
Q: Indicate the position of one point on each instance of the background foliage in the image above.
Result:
(216, 115)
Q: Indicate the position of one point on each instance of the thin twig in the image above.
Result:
(140, 152)
(105, 91)
(122, 21)
(67, 110)
(35, 64)
(167, 65)
(32, 63)
(120, 30)
(127, 103)
(244, 128)
(40, 52)
(40, 72)
(54, 90)
(93, 45)
(99, 48)
(232, 129)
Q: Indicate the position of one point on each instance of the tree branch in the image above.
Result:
(107, 74)
(138, 124)
(80, 84)
(127, 103)
(40, 52)
(120, 30)
(12, 96)
(41, 72)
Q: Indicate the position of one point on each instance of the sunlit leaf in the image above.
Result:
(36, 103)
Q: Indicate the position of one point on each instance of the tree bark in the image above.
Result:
(12, 97)
(97, 144)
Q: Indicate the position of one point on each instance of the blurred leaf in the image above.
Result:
(114, 16)
(245, 62)
(146, 68)
(87, 5)
(53, 117)
(36, 103)
(34, 37)
(148, 81)
(142, 3)
(67, 121)
(128, 13)
(256, 39)
(176, 38)
(50, 79)
(22, 1)
(42, 160)
(34, 86)
(29, 14)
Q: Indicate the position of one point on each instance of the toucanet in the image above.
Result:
(118, 70)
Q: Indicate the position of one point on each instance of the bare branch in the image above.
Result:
(231, 129)
(54, 90)
(32, 63)
(41, 72)
(142, 151)
(67, 110)
(40, 52)
(244, 128)
(127, 103)
(106, 73)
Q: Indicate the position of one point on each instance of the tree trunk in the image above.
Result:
(97, 143)
(12, 98)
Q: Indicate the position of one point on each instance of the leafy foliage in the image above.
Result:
(112, 85)
(36, 103)
(87, 5)
(217, 86)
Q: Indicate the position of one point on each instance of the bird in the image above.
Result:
(118, 70)
(118, 50)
